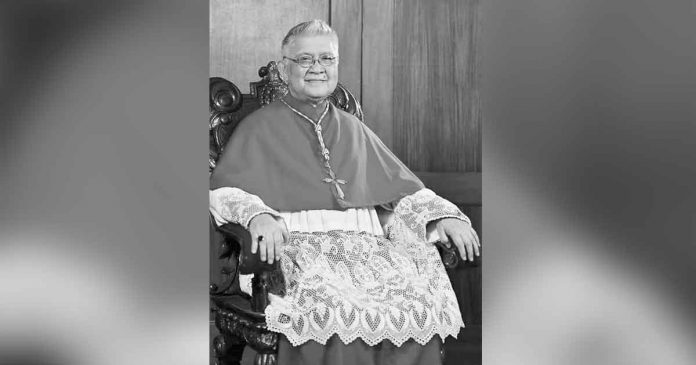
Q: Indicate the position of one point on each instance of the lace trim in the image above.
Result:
(236, 206)
(358, 285)
(348, 336)
(415, 211)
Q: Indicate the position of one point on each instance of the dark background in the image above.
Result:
(589, 125)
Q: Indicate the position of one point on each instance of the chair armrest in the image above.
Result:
(448, 253)
(248, 263)
(268, 278)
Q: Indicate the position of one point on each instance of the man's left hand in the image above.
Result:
(452, 230)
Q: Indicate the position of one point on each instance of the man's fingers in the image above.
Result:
(286, 234)
(254, 242)
(475, 244)
(278, 244)
(270, 249)
(443, 235)
(457, 240)
(262, 247)
(469, 247)
(286, 237)
(473, 232)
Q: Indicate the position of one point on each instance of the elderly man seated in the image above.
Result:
(351, 225)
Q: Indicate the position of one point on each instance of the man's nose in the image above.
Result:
(316, 67)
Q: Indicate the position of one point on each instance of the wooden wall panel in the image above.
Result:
(437, 120)
(459, 187)
(377, 75)
(246, 34)
(346, 20)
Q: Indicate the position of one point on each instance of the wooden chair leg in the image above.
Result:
(228, 350)
(442, 351)
(266, 359)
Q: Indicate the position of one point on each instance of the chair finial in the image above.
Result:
(271, 87)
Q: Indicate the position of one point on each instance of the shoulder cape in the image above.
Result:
(275, 154)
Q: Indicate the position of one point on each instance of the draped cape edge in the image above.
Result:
(274, 154)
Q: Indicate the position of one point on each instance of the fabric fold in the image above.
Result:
(354, 220)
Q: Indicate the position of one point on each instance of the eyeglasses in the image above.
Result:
(308, 60)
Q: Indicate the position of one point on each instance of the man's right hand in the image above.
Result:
(274, 235)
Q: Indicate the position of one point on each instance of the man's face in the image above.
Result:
(317, 81)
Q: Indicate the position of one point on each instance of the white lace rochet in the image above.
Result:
(347, 275)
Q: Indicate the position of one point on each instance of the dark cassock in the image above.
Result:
(364, 283)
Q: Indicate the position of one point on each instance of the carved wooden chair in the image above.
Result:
(239, 317)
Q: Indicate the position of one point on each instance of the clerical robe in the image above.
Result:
(368, 273)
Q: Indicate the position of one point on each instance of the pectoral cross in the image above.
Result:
(324, 151)
(333, 180)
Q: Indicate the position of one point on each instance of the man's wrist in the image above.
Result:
(260, 215)
(252, 218)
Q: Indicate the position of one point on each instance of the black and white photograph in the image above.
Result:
(307, 181)
(345, 194)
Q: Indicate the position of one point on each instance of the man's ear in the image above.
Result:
(282, 72)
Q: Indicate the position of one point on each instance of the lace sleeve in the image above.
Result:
(415, 211)
(234, 205)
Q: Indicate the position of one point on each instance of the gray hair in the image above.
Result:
(312, 27)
